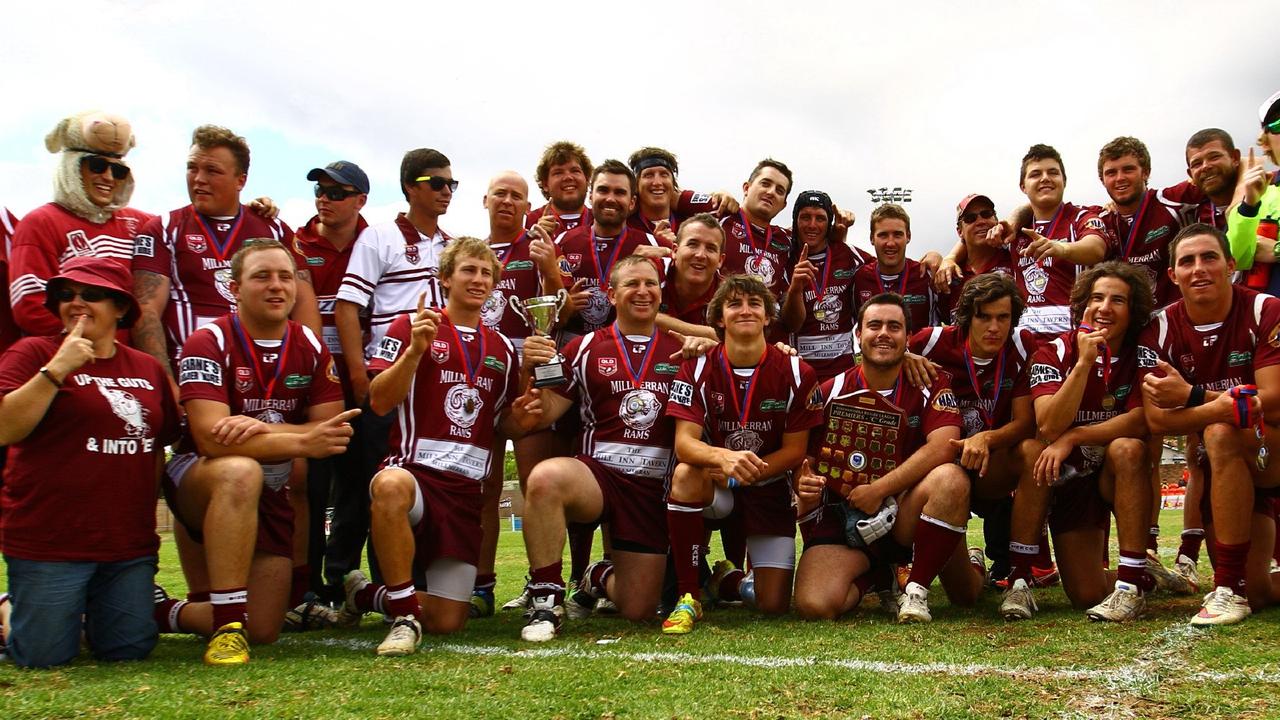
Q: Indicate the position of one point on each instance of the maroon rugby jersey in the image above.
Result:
(825, 339)
(1105, 396)
(1218, 356)
(49, 236)
(982, 406)
(1143, 241)
(564, 222)
(447, 422)
(916, 289)
(1193, 206)
(777, 396)
(590, 258)
(9, 332)
(621, 384)
(1001, 262)
(689, 203)
(194, 253)
(82, 485)
(693, 311)
(1046, 284)
(520, 278)
(925, 409)
(752, 250)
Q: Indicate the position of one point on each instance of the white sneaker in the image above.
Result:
(402, 639)
(605, 606)
(579, 605)
(1018, 602)
(1124, 603)
(1170, 581)
(544, 621)
(978, 559)
(1221, 607)
(1186, 567)
(313, 615)
(352, 583)
(913, 606)
(519, 602)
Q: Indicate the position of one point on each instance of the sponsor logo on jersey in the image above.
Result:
(388, 348)
(843, 274)
(315, 261)
(519, 265)
(1041, 373)
(244, 379)
(946, 402)
(196, 243)
(79, 242)
(1146, 357)
(681, 393)
(1122, 392)
(1156, 234)
(607, 366)
(1235, 358)
(699, 198)
(198, 369)
(440, 351)
(914, 299)
(771, 405)
(411, 253)
(639, 409)
(913, 421)
(296, 380)
(1093, 224)
(144, 246)
(666, 368)
(493, 362)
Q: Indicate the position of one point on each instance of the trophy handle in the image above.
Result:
(518, 306)
(562, 299)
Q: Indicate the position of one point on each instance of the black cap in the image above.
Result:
(343, 173)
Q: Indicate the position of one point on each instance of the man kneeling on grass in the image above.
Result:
(426, 500)
(929, 491)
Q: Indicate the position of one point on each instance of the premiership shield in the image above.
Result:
(861, 441)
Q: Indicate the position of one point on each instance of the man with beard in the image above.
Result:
(820, 302)
(1213, 166)
(562, 174)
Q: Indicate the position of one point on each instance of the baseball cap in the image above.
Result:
(343, 173)
(811, 198)
(94, 272)
(1269, 110)
(969, 200)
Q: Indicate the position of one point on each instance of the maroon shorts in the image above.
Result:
(450, 523)
(275, 517)
(1262, 497)
(827, 526)
(635, 509)
(1079, 505)
(766, 509)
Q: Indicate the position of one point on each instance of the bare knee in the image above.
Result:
(1127, 453)
(236, 479)
(543, 484)
(391, 490)
(1220, 438)
(813, 608)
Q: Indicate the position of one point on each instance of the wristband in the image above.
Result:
(49, 376)
(1196, 399)
(1241, 394)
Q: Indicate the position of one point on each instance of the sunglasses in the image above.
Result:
(971, 217)
(1273, 127)
(89, 294)
(334, 192)
(437, 183)
(98, 165)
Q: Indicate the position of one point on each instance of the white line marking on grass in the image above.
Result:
(1142, 674)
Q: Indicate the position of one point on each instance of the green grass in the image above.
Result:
(967, 663)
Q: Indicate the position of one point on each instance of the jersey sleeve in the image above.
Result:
(577, 369)
(392, 346)
(151, 252)
(691, 203)
(33, 259)
(942, 410)
(1150, 351)
(685, 401)
(202, 369)
(1045, 376)
(364, 270)
(20, 363)
(807, 413)
(1088, 222)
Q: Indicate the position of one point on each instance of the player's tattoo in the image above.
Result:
(148, 332)
(303, 276)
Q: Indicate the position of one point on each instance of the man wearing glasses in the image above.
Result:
(975, 215)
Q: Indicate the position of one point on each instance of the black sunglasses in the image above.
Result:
(437, 183)
(969, 217)
(334, 192)
(98, 165)
(89, 294)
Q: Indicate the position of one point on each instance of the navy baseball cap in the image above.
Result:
(343, 172)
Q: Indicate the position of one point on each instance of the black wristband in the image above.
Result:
(49, 376)
(1196, 398)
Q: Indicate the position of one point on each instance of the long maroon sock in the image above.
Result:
(547, 581)
(402, 599)
(685, 528)
(1043, 558)
(1021, 558)
(1153, 537)
(1190, 545)
(597, 578)
(934, 542)
(1228, 565)
(728, 588)
(485, 581)
(229, 606)
(299, 584)
(1133, 570)
(581, 538)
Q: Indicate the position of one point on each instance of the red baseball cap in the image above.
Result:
(968, 200)
(94, 272)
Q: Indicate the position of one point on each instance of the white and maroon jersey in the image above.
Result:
(983, 404)
(391, 265)
(1143, 240)
(521, 279)
(1046, 284)
(1193, 206)
(825, 338)
(915, 288)
(925, 409)
(1112, 389)
(274, 381)
(621, 385)
(689, 203)
(564, 221)
(447, 422)
(692, 311)
(49, 236)
(747, 408)
(194, 252)
(1001, 262)
(1221, 355)
(752, 250)
(590, 258)
(9, 332)
(82, 485)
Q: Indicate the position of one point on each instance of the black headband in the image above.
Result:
(652, 161)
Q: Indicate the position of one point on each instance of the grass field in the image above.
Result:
(967, 663)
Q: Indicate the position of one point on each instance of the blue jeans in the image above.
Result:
(50, 598)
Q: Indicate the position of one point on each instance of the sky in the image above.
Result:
(943, 98)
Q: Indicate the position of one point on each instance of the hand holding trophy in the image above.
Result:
(540, 314)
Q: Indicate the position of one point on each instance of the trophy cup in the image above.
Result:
(540, 314)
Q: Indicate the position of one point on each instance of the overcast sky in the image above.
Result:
(941, 97)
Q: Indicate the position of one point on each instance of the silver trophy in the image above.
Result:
(540, 314)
